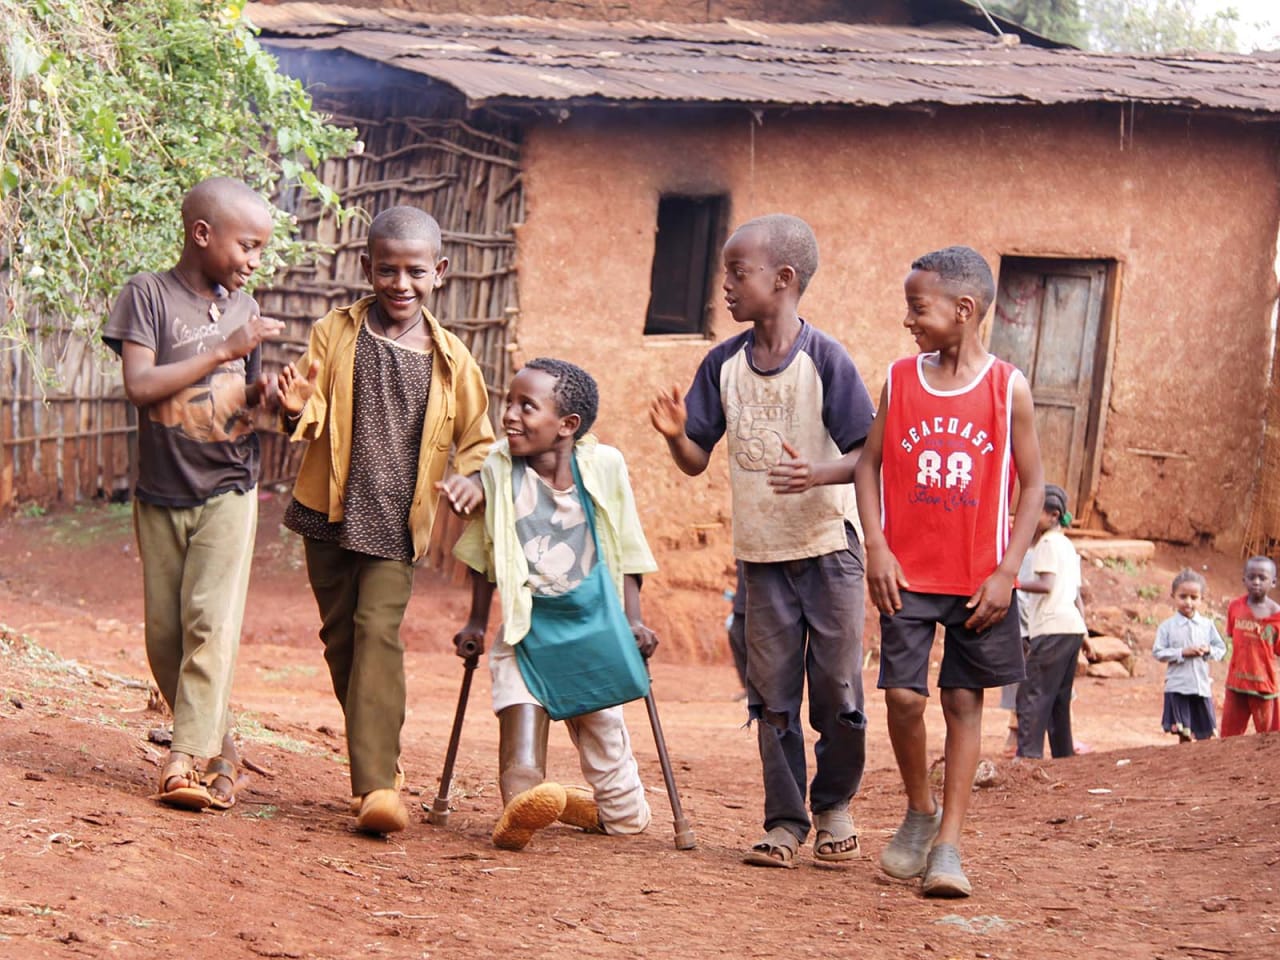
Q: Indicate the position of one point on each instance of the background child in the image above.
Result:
(1009, 692)
(1057, 630)
(952, 424)
(1185, 642)
(795, 413)
(386, 392)
(188, 339)
(1253, 624)
(536, 539)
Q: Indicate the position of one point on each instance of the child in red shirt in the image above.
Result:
(1253, 624)
(934, 486)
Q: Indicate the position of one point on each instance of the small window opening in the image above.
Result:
(686, 255)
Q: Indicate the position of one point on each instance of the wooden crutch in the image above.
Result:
(439, 812)
(684, 833)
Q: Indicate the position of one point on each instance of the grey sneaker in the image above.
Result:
(943, 875)
(907, 853)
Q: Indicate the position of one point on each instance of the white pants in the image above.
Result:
(602, 741)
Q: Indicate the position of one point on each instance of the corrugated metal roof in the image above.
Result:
(527, 59)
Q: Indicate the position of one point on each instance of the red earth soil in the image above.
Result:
(1138, 849)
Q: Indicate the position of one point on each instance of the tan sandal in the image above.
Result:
(777, 849)
(220, 768)
(191, 795)
(832, 828)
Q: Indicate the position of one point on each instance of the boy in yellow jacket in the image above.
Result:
(382, 393)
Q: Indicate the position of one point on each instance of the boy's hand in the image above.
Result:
(244, 339)
(668, 415)
(293, 390)
(646, 639)
(469, 641)
(792, 474)
(885, 579)
(991, 602)
(465, 493)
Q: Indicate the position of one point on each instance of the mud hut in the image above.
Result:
(1130, 204)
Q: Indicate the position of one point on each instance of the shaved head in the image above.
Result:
(211, 199)
(789, 242)
(405, 223)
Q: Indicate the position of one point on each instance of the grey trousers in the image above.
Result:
(804, 622)
(195, 574)
(362, 601)
(1044, 698)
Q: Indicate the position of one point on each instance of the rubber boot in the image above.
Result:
(529, 801)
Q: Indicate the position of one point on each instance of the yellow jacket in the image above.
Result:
(457, 416)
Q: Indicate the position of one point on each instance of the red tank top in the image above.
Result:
(946, 479)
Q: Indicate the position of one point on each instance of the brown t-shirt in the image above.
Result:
(390, 394)
(198, 443)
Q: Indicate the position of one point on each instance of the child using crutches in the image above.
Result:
(558, 506)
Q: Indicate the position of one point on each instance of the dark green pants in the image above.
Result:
(362, 601)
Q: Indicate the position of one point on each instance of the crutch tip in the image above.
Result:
(437, 813)
(684, 838)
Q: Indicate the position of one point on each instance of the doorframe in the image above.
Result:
(1100, 395)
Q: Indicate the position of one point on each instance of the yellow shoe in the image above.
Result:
(382, 812)
(527, 813)
(354, 803)
(580, 810)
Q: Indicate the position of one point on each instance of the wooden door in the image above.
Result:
(1049, 322)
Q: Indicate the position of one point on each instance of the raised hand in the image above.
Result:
(243, 340)
(295, 390)
(668, 415)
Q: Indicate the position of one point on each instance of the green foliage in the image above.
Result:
(1130, 26)
(1157, 26)
(109, 113)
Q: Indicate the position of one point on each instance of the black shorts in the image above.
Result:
(970, 660)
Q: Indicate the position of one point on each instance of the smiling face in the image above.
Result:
(935, 313)
(403, 272)
(231, 242)
(531, 417)
(751, 282)
(1259, 577)
(1186, 598)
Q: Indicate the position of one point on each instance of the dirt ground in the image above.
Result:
(1138, 849)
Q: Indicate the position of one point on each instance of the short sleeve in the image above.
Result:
(703, 403)
(847, 407)
(134, 317)
(1044, 559)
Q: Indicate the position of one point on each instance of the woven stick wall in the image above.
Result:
(418, 149)
(66, 428)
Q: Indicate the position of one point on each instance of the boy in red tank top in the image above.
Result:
(1253, 624)
(934, 487)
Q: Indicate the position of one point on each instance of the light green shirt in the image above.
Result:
(492, 547)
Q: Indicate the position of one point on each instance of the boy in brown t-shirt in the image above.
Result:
(189, 341)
